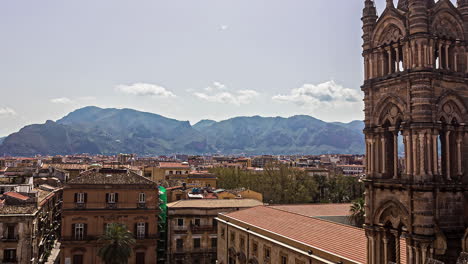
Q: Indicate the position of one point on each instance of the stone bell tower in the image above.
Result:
(416, 102)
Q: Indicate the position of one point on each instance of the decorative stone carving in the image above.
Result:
(433, 261)
(463, 259)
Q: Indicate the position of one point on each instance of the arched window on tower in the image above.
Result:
(449, 154)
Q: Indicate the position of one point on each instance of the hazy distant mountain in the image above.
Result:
(1, 139)
(109, 131)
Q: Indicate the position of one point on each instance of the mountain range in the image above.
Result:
(109, 131)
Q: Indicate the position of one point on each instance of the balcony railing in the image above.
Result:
(10, 238)
(202, 228)
(104, 205)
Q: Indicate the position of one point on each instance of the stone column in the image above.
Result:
(395, 155)
(390, 60)
(447, 155)
(385, 245)
(420, 55)
(441, 62)
(409, 154)
(384, 155)
(415, 154)
(422, 168)
(447, 46)
(429, 154)
(459, 157)
(435, 153)
(372, 157)
(397, 53)
(413, 54)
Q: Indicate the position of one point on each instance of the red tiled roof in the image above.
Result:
(16, 195)
(342, 240)
(316, 209)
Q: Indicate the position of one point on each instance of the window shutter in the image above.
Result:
(85, 197)
(146, 229)
(73, 231)
(85, 231)
(105, 228)
(116, 197)
(76, 197)
(107, 197)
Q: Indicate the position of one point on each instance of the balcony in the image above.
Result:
(111, 206)
(10, 238)
(141, 205)
(202, 228)
(80, 205)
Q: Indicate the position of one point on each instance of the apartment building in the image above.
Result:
(290, 235)
(192, 228)
(29, 224)
(98, 197)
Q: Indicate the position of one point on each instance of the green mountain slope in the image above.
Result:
(109, 131)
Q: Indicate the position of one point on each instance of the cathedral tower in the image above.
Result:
(416, 102)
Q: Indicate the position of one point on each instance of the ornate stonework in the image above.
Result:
(416, 116)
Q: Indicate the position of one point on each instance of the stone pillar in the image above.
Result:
(447, 155)
(429, 154)
(390, 60)
(435, 154)
(395, 155)
(422, 168)
(385, 248)
(384, 155)
(415, 154)
(397, 53)
(459, 156)
(441, 62)
(447, 46)
(413, 54)
(420, 55)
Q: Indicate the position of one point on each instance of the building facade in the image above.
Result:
(289, 235)
(98, 197)
(29, 225)
(192, 228)
(416, 70)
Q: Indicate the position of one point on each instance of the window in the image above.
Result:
(77, 259)
(142, 198)
(214, 242)
(10, 232)
(179, 243)
(141, 230)
(180, 222)
(222, 233)
(178, 173)
(80, 197)
(284, 259)
(242, 243)
(196, 242)
(171, 172)
(197, 221)
(140, 258)
(233, 237)
(9, 255)
(79, 231)
(112, 197)
(106, 227)
(214, 223)
(266, 253)
(255, 248)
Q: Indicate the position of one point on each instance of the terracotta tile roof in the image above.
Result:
(108, 176)
(212, 203)
(342, 240)
(17, 196)
(316, 209)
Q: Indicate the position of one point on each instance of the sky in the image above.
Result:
(183, 59)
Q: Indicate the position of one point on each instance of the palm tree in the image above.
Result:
(118, 243)
(357, 212)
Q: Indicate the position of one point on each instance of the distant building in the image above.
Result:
(352, 169)
(192, 228)
(99, 197)
(262, 161)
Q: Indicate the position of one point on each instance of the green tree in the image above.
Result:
(117, 244)
(357, 212)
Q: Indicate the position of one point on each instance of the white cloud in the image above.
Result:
(61, 100)
(145, 89)
(324, 94)
(6, 111)
(223, 27)
(218, 93)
